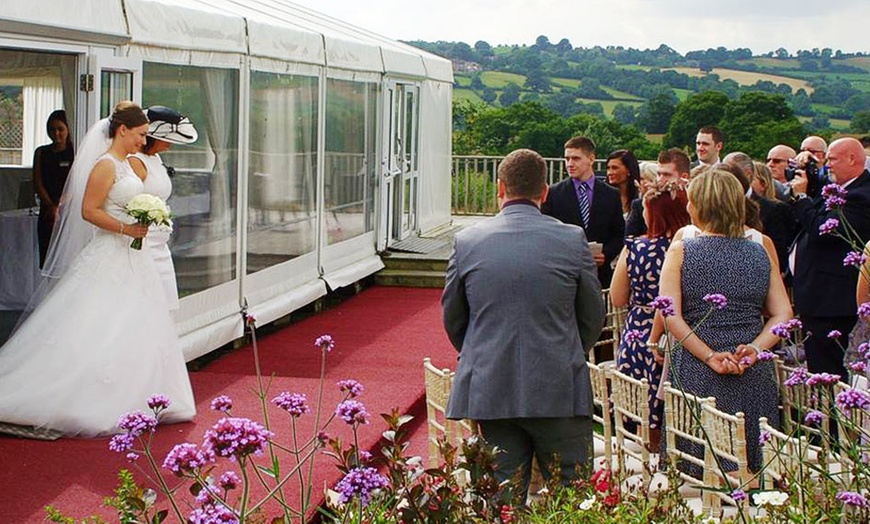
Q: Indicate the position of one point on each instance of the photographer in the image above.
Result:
(823, 287)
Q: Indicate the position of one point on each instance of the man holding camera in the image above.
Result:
(824, 288)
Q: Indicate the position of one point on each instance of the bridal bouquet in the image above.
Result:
(147, 210)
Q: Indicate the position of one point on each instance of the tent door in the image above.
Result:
(399, 196)
(111, 79)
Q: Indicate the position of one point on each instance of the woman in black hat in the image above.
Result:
(166, 127)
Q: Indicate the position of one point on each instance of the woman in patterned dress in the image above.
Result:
(718, 357)
(636, 283)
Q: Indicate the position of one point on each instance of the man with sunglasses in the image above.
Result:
(777, 161)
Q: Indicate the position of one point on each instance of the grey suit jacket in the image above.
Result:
(521, 304)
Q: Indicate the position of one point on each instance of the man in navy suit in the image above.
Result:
(522, 305)
(824, 289)
(598, 209)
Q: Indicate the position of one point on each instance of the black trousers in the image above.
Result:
(825, 355)
(521, 439)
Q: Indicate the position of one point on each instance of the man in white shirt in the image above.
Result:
(708, 145)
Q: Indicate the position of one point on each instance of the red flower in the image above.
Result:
(507, 514)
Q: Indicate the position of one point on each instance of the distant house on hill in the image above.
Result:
(464, 66)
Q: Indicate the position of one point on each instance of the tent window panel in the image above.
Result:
(351, 160)
(282, 181)
(205, 184)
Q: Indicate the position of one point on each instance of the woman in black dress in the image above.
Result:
(51, 165)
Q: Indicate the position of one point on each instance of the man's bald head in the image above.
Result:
(777, 160)
(846, 159)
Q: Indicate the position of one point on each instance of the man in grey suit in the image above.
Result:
(522, 304)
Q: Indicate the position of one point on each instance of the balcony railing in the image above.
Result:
(473, 182)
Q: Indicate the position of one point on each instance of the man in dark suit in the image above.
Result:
(600, 211)
(673, 165)
(824, 288)
(522, 305)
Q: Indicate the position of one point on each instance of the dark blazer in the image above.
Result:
(635, 225)
(521, 303)
(779, 224)
(606, 224)
(823, 286)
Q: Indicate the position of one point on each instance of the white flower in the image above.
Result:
(150, 209)
(588, 503)
(770, 498)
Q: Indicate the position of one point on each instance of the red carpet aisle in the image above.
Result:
(381, 338)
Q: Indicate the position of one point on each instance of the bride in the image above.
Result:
(100, 339)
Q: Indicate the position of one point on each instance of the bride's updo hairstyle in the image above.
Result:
(128, 114)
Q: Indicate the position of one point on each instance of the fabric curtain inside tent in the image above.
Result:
(42, 95)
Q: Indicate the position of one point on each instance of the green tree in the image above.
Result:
(488, 95)
(656, 113)
(509, 95)
(860, 122)
(756, 121)
(476, 81)
(537, 81)
(624, 114)
(693, 113)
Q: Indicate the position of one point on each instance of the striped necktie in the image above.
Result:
(583, 200)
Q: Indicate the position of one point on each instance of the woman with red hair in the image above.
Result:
(636, 283)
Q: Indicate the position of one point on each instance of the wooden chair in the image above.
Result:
(630, 398)
(784, 458)
(602, 414)
(798, 400)
(438, 383)
(683, 422)
(613, 323)
(853, 436)
(726, 449)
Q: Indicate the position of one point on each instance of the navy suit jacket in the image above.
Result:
(823, 286)
(606, 224)
(635, 225)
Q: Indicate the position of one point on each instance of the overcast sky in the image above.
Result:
(761, 25)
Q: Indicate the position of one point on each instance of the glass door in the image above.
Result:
(400, 163)
(110, 80)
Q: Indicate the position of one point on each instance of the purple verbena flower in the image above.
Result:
(137, 422)
(229, 481)
(798, 377)
(352, 412)
(822, 379)
(834, 202)
(663, 304)
(785, 329)
(236, 437)
(764, 437)
(858, 366)
(814, 418)
(324, 342)
(864, 350)
(351, 386)
(765, 356)
(632, 335)
(852, 398)
(158, 402)
(122, 443)
(864, 310)
(834, 195)
(364, 456)
(716, 300)
(854, 258)
(222, 403)
(294, 403)
(852, 498)
(745, 361)
(829, 226)
(132, 457)
(186, 458)
(834, 334)
(212, 513)
(738, 495)
(360, 482)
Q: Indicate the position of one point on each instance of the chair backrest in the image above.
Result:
(613, 323)
(630, 398)
(726, 463)
(438, 383)
(683, 423)
(598, 374)
(785, 458)
(798, 399)
(853, 435)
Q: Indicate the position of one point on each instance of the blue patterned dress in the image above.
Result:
(739, 269)
(644, 264)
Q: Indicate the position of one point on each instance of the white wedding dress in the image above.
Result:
(100, 343)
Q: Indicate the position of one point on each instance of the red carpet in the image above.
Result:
(381, 335)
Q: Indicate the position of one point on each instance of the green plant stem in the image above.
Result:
(163, 486)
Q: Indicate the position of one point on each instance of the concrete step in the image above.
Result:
(409, 278)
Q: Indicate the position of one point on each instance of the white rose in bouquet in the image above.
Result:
(148, 209)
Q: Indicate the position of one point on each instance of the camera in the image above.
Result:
(812, 173)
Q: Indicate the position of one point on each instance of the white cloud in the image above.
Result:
(761, 25)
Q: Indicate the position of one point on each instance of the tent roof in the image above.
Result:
(273, 29)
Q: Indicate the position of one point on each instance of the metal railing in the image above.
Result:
(473, 182)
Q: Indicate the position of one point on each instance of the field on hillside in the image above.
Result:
(748, 78)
